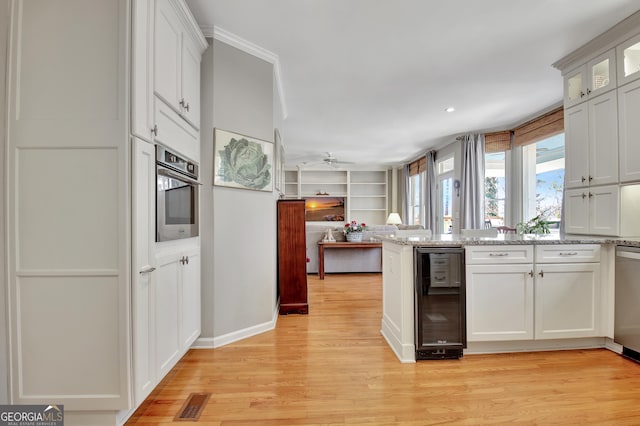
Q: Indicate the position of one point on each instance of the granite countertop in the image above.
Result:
(501, 239)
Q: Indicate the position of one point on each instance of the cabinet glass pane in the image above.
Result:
(632, 59)
(600, 75)
(574, 87)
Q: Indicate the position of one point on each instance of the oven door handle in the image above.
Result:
(178, 176)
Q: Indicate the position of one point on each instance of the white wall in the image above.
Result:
(238, 226)
(4, 351)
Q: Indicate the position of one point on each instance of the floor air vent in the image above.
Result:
(193, 407)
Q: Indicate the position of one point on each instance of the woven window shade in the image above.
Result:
(497, 141)
(543, 127)
(418, 166)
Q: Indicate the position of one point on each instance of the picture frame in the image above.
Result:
(242, 162)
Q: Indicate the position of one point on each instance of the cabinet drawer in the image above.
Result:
(568, 253)
(499, 254)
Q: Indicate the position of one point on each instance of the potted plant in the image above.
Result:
(353, 231)
(537, 225)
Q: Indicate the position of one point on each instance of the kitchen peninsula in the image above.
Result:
(523, 293)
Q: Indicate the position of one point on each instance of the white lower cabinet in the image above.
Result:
(167, 314)
(566, 300)
(557, 298)
(499, 302)
(177, 305)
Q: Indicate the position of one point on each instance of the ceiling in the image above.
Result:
(369, 80)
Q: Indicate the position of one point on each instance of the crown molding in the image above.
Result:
(620, 32)
(254, 50)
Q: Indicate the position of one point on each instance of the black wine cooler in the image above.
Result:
(440, 321)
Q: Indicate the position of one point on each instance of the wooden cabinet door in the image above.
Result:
(292, 257)
(567, 301)
(629, 131)
(576, 127)
(499, 302)
(603, 139)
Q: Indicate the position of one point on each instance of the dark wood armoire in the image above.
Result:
(292, 257)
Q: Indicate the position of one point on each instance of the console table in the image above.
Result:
(342, 245)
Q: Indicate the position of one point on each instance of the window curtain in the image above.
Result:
(430, 192)
(406, 199)
(472, 186)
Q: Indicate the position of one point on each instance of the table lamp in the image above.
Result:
(394, 219)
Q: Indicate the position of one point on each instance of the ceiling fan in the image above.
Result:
(333, 161)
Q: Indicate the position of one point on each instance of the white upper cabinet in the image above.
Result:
(628, 54)
(591, 138)
(178, 48)
(595, 77)
(629, 131)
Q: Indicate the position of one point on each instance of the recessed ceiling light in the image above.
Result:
(450, 109)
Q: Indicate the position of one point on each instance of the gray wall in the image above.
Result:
(238, 226)
(4, 364)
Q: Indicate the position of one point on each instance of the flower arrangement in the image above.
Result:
(354, 226)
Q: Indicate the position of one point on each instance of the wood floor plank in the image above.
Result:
(333, 367)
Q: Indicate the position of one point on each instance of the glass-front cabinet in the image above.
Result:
(595, 77)
(628, 54)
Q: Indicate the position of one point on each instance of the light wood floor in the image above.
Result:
(333, 367)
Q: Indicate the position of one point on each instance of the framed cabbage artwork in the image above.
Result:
(242, 162)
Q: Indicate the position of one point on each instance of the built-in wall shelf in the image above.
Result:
(366, 192)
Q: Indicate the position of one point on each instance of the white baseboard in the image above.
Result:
(533, 345)
(225, 339)
(612, 346)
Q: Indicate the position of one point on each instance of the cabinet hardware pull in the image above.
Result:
(186, 259)
(155, 130)
(583, 178)
(584, 195)
(531, 274)
(588, 91)
(498, 254)
(573, 253)
(590, 195)
(182, 260)
(590, 178)
(187, 107)
(541, 273)
(581, 94)
(184, 104)
(147, 269)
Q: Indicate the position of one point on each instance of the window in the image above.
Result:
(415, 192)
(445, 176)
(543, 179)
(495, 205)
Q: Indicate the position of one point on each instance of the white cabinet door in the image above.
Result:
(143, 279)
(167, 314)
(575, 86)
(601, 73)
(576, 127)
(628, 55)
(567, 301)
(167, 54)
(576, 211)
(142, 69)
(629, 131)
(191, 59)
(499, 302)
(190, 299)
(604, 210)
(603, 139)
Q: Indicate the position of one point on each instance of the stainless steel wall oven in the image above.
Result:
(177, 196)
